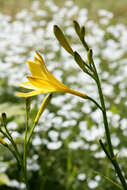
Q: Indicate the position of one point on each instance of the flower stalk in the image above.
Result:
(110, 153)
(7, 134)
(25, 143)
(90, 69)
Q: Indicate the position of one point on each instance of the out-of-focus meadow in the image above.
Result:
(65, 152)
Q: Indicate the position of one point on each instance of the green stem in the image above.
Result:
(105, 120)
(110, 180)
(110, 147)
(31, 133)
(84, 96)
(105, 150)
(25, 178)
(15, 151)
(85, 45)
(13, 143)
(95, 103)
(120, 175)
(115, 164)
(110, 155)
(103, 111)
(25, 151)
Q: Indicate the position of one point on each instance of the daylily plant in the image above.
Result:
(42, 81)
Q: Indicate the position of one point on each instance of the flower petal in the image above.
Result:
(49, 75)
(28, 85)
(29, 94)
(42, 84)
(36, 69)
(56, 82)
(39, 57)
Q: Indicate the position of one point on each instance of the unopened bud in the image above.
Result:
(62, 40)
(77, 28)
(79, 61)
(90, 55)
(4, 119)
(42, 107)
(82, 33)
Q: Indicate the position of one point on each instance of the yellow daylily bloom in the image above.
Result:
(42, 81)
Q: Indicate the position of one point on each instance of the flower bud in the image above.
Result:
(62, 40)
(4, 119)
(79, 61)
(82, 33)
(42, 107)
(77, 28)
(89, 55)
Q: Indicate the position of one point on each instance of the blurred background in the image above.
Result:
(65, 152)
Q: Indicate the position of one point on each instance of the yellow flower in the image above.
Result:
(42, 81)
